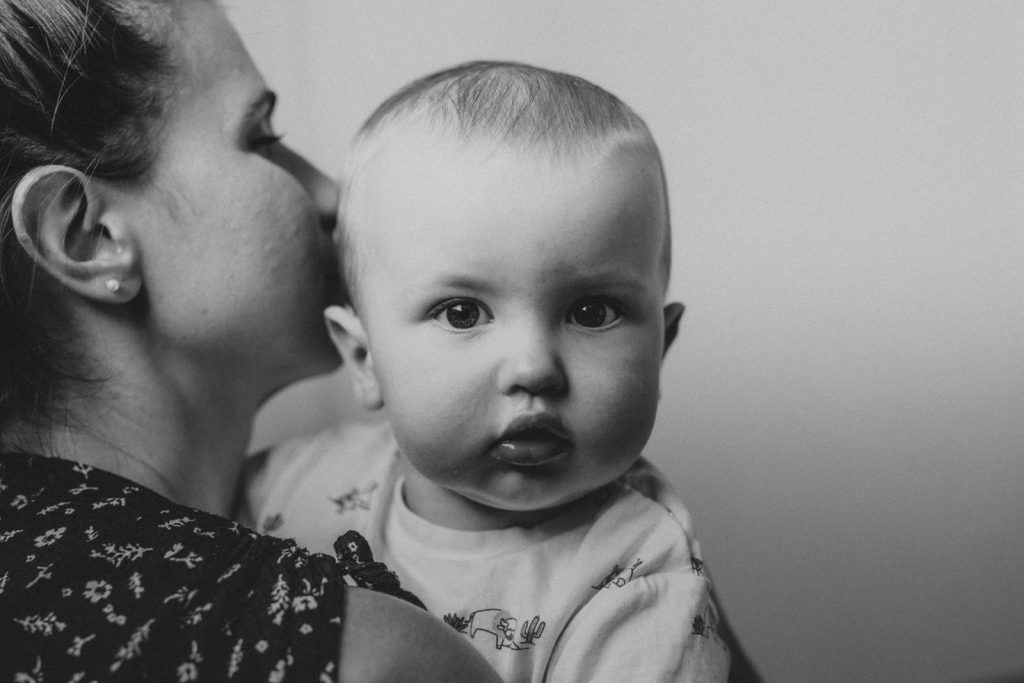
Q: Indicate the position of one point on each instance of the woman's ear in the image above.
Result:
(62, 221)
(673, 314)
(349, 336)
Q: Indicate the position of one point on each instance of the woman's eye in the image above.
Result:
(462, 315)
(592, 313)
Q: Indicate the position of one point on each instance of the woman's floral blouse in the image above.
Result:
(103, 580)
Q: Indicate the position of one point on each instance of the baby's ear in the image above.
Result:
(673, 314)
(349, 336)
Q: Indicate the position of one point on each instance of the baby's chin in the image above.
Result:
(500, 498)
(528, 511)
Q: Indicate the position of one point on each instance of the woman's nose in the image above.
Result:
(533, 366)
(323, 191)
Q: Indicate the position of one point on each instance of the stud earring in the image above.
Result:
(113, 284)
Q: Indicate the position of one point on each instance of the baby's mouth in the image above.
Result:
(531, 441)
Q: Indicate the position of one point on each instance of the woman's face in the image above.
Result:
(235, 228)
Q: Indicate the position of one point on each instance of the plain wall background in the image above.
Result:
(844, 409)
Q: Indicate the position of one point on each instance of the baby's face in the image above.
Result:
(514, 309)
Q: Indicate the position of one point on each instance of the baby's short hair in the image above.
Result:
(523, 106)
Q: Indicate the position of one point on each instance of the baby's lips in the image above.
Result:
(530, 449)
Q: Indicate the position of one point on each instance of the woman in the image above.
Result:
(164, 261)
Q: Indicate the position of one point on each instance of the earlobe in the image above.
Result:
(61, 221)
(673, 315)
(349, 336)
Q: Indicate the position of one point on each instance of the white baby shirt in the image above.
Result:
(615, 591)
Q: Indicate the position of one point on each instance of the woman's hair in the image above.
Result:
(81, 84)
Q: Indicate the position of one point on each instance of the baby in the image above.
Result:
(506, 247)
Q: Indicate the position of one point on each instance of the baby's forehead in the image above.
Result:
(489, 183)
(416, 168)
(441, 202)
(413, 154)
(456, 172)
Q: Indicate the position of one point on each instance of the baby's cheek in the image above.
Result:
(421, 444)
(624, 412)
(437, 432)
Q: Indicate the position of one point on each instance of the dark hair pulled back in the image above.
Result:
(81, 83)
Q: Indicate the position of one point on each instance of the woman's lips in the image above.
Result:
(531, 441)
(334, 289)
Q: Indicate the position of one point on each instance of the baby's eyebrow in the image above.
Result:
(459, 281)
(615, 278)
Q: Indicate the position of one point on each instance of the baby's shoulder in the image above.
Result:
(346, 443)
(639, 529)
(349, 453)
(648, 481)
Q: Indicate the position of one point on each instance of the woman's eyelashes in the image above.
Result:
(465, 314)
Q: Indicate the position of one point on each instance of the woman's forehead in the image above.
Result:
(212, 71)
(206, 47)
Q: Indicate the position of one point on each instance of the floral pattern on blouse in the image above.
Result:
(104, 580)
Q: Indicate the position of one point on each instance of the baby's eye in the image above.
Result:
(592, 313)
(461, 314)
